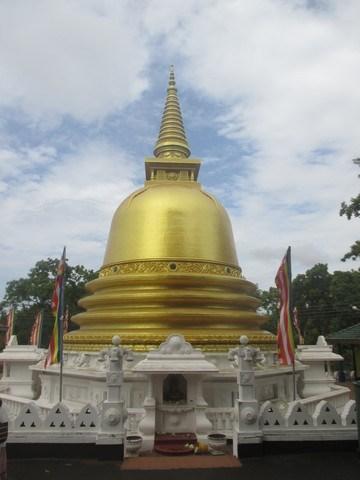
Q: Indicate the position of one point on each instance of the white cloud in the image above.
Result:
(81, 58)
(282, 77)
(287, 77)
(70, 203)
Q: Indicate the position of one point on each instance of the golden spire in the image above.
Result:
(172, 138)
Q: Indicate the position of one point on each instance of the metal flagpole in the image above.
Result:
(294, 378)
(41, 327)
(291, 320)
(61, 327)
(11, 324)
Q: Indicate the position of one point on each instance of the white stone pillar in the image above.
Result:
(18, 379)
(147, 423)
(246, 423)
(317, 380)
(203, 424)
(113, 412)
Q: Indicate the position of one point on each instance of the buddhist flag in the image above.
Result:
(285, 334)
(36, 330)
(57, 307)
(9, 324)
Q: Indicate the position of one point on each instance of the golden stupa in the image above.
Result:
(170, 264)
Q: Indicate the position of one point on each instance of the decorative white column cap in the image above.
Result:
(175, 355)
(244, 340)
(321, 352)
(116, 340)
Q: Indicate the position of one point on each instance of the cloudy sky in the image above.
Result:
(270, 96)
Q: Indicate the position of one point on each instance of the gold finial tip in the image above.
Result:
(172, 138)
(171, 76)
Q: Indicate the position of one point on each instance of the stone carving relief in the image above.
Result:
(297, 416)
(348, 415)
(59, 417)
(270, 416)
(28, 418)
(112, 416)
(88, 418)
(325, 415)
(176, 344)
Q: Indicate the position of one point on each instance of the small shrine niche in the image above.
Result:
(175, 389)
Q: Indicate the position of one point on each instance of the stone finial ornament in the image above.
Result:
(247, 353)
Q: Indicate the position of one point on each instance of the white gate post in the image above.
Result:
(113, 412)
(246, 423)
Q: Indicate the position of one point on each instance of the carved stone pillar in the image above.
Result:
(246, 423)
(203, 424)
(147, 423)
(113, 412)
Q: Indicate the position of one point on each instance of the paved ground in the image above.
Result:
(310, 466)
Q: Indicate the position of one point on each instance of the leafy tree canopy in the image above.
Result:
(325, 302)
(33, 293)
(350, 210)
(270, 304)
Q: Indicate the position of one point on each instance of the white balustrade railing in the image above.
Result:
(134, 416)
(13, 406)
(221, 419)
(338, 397)
(322, 420)
(297, 416)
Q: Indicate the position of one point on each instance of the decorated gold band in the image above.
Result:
(146, 348)
(170, 266)
(143, 343)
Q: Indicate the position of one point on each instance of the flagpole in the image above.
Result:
(291, 313)
(41, 327)
(10, 322)
(13, 322)
(61, 329)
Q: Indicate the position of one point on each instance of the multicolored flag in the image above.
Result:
(297, 325)
(285, 338)
(57, 307)
(9, 324)
(36, 330)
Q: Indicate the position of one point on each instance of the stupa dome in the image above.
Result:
(170, 264)
(171, 222)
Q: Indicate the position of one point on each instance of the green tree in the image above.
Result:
(345, 294)
(312, 298)
(33, 293)
(270, 303)
(350, 210)
(325, 302)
